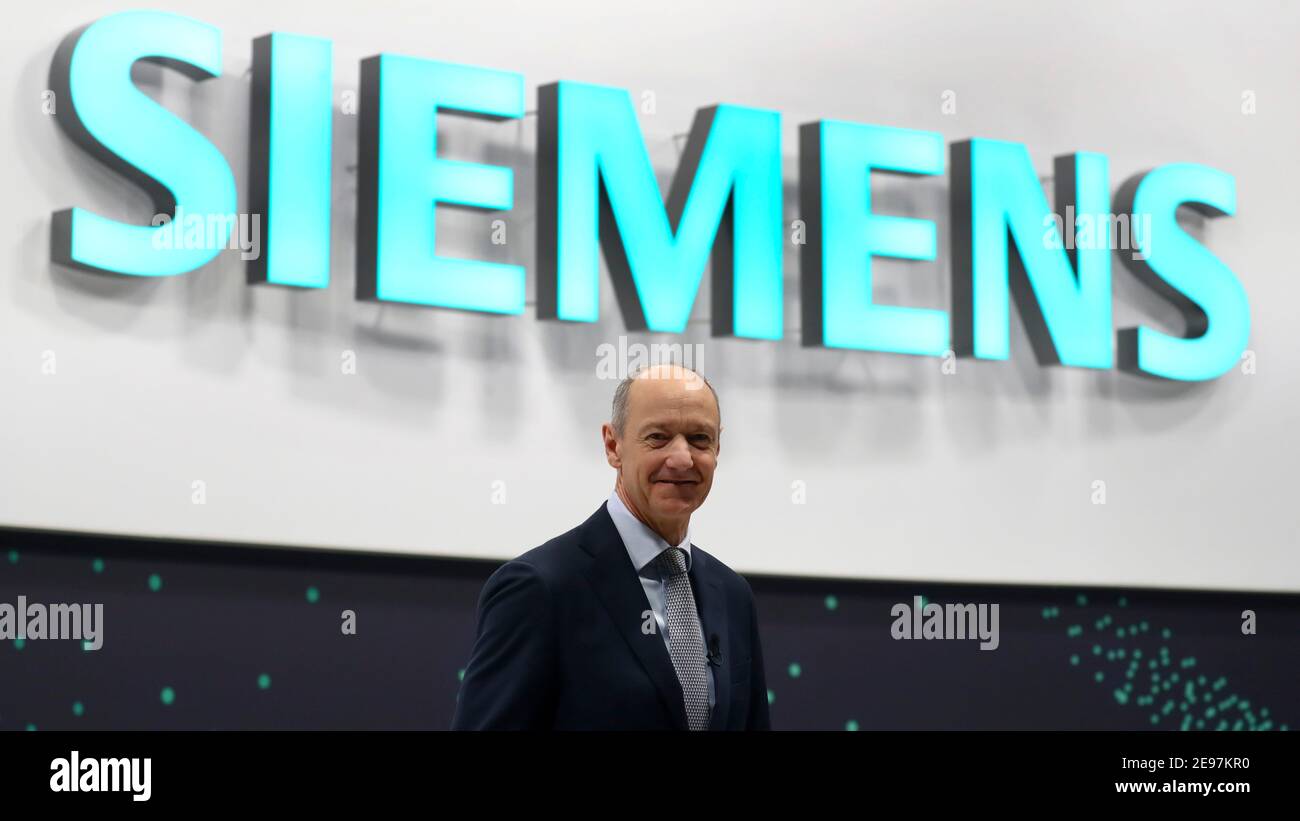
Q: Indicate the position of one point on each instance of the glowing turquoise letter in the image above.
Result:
(597, 190)
(997, 201)
(1207, 294)
(103, 112)
(400, 181)
(289, 164)
(836, 160)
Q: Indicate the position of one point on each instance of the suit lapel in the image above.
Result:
(619, 588)
(713, 622)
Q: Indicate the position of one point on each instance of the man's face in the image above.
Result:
(669, 446)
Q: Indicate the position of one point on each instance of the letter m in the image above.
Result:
(597, 190)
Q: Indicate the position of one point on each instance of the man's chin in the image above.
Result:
(675, 500)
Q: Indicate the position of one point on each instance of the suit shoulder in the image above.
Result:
(558, 559)
(729, 578)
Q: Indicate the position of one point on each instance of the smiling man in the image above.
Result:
(622, 623)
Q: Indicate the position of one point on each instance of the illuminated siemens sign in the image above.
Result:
(598, 195)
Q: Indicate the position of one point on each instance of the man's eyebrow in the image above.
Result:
(694, 428)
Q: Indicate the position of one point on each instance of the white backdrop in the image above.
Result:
(986, 474)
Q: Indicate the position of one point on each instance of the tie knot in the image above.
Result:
(673, 561)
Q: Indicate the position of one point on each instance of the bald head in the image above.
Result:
(687, 379)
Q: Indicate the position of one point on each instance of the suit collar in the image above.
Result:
(643, 544)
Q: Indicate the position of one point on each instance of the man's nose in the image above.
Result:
(679, 454)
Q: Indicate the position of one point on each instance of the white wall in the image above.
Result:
(982, 475)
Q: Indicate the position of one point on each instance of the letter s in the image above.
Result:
(103, 112)
(1206, 293)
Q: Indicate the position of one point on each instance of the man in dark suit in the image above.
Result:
(622, 623)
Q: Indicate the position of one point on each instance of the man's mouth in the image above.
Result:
(678, 481)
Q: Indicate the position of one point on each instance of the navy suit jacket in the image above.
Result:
(561, 645)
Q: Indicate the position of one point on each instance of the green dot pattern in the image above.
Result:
(1170, 701)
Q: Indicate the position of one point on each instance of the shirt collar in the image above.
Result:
(642, 543)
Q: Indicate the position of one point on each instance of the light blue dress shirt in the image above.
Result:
(643, 546)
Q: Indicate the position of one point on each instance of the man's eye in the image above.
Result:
(656, 437)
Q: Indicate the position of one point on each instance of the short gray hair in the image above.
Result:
(622, 394)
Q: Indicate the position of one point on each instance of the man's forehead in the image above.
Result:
(694, 417)
(652, 394)
(669, 413)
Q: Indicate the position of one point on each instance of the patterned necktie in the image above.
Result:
(685, 639)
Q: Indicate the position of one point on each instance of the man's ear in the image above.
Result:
(611, 446)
